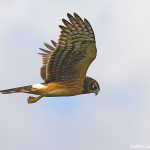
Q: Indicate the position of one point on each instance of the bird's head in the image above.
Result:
(91, 86)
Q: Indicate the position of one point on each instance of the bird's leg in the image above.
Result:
(32, 99)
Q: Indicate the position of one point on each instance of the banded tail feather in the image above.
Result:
(23, 89)
(33, 89)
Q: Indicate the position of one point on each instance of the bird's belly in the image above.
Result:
(54, 89)
(62, 92)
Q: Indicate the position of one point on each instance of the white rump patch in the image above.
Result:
(38, 86)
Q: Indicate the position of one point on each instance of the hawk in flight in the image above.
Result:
(65, 64)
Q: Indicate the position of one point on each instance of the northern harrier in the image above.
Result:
(65, 63)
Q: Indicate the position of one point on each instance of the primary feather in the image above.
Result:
(70, 58)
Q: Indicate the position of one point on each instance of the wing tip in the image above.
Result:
(54, 43)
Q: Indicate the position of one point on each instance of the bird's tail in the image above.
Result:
(23, 89)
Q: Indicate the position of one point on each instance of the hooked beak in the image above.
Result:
(96, 92)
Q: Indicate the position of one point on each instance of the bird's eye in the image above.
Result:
(94, 87)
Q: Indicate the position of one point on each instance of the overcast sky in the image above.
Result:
(117, 118)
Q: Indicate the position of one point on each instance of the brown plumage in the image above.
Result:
(66, 62)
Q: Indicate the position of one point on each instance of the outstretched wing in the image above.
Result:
(75, 51)
(46, 57)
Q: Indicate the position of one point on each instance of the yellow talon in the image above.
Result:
(32, 99)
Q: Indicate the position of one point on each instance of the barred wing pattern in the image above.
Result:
(46, 54)
(73, 54)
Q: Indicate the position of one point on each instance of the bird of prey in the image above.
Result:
(65, 64)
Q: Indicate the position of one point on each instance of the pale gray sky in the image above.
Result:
(115, 119)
